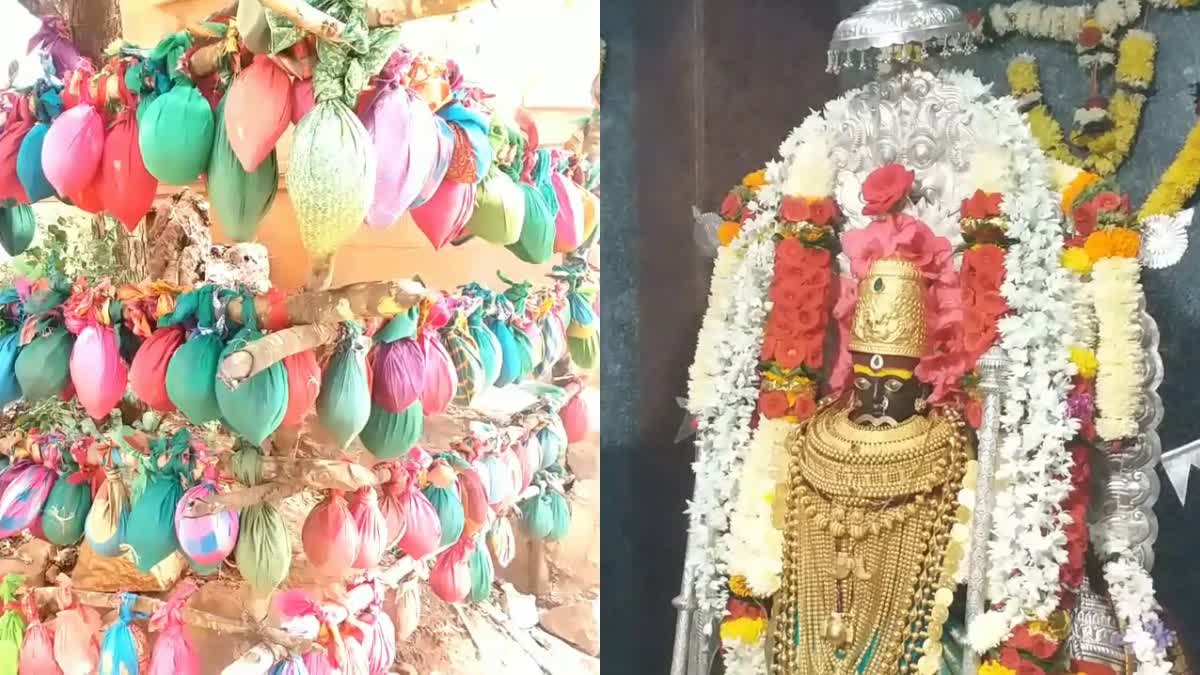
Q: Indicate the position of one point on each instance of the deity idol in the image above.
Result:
(871, 500)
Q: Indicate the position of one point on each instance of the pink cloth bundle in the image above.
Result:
(371, 526)
(174, 653)
(74, 143)
(97, 370)
(329, 536)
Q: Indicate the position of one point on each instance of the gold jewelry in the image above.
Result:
(889, 317)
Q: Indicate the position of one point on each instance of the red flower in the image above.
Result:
(793, 258)
(810, 316)
(789, 354)
(782, 324)
(1085, 216)
(1107, 201)
(1090, 36)
(768, 347)
(979, 332)
(981, 205)
(805, 406)
(773, 404)
(983, 268)
(789, 255)
(1037, 645)
(732, 206)
(886, 188)
(974, 17)
(823, 212)
(1090, 668)
(789, 291)
(794, 209)
(1010, 658)
(816, 351)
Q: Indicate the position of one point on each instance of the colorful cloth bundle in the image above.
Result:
(465, 356)
(205, 539)
(574, 416)
(423, 532)
(10, 347)
(390, 435)
(441, 377)
(241, 197)
(126, 186)
(148, 372)
(259, 109)
(264, 549)
(483, 575)
(583, 340)
(330, 537)
(174, 653)
(12, 625)
(192, 370)
(26, 493)
(501, 541)
(450, 578)
(392, 504)
(74, 142)
(37, 649)
(255, 408)
(371, 526)
(98, 373)
(304, 384)
(106, 522)
(69, 502)
(553, 440)
(442, 493)
(175, 128)
(150, 531)
(29, 157)
(20, 119)
(124, 649)
(17, 228)
(344, 403)
(536, 244)
(42, 366)
(396, 119)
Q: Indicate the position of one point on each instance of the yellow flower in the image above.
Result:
(1115, 242)
(755, 180)
(1178, 183)
(1077, 260)
(1135, 60)
(1086, 363)
(738, 586)
(728, 231)
(744, 630)
(1075, 188)
(1023, 76)
(994, 668)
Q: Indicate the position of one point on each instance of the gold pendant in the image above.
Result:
(845, 564)
(839, 630)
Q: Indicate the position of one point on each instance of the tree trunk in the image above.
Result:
(95, 24)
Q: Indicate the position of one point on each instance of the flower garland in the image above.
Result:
(1132, 592)
(704, 369)
(1119, 354)
(755, 542)
(1033, 463)
(1179, 181)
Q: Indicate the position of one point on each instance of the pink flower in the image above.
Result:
(886, 188)
(794, 209)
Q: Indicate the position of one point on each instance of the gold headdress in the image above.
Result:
(890, 316)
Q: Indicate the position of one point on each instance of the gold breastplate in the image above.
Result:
(867, 527)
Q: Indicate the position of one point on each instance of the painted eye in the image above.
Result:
(862, 383)
(893, 386)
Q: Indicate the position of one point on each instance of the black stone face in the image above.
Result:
(885, 391)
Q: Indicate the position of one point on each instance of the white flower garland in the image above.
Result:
(755, 543)
(1132, 593)
(724, 427)
(1117, 291)
(1027, 543)
(744, 659)
(704, 366)
(1063, 23)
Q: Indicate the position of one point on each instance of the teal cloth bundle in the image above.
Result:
(42, 366)
(450, 512)
(256, 407)
(150, 531)
(390, 435)
(192, 370)
(240, 198)
(67, 507)
(344, 403)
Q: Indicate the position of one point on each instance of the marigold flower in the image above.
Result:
(755, 180)
(995, 668)
(738, 586)
(746, 631)
(1116, 242)
(1085, 362)
(1077, 260)
(728, 231)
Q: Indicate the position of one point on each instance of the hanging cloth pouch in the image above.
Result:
(17, 227)
(371, 527)
(205, 539)
(192, 370)
(537, 515)
(68, 504)
(510, 352)
(304, 384)
(536, 245)
(465, 357)
(174, 652)
(489, 347)
(42, 365)
(330, 537)
(259, 109)
(76, 633)
(399, 369)
(37, 649)
(256, 407)
(151, 532)
(483, 575)
(23, 499)
(148, 372)
(10, 348)
(98, 372)
(391, 120)
(390, 435)
(74, 142)
(441, 378)
(176, 133)
(106, 523)
(444, 216)
(29, 158)
(450, 578)
(392, 505)
(449, 510)
(19, 121)
(423, 533)
(264, 550)
(240, 198)
(120, 653)
(127, 188)
(12, 625)
(568, 224)
(344, 403)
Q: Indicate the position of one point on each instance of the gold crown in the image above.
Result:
(890, 316)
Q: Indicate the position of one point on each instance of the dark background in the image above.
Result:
(698, 93)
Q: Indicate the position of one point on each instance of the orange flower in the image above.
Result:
(755, 180)
(1116, 242)
(1076, 188)
(728, 231)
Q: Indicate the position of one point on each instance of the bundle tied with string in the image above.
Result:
(240, 197)
(17, 227)
(371, 526)
(192, 370)
(29, 158)
(150, 531)
(126, 186)
(24, 497)
(490, 353)
(37, 649)
(537, 515)
(10, 347)
(258, 109)
(442, 493)
(12, 624)
(98, 373)
(423, 529)
(255, 408)
(76, 633)
(501, 541)
(450, 578)
(399, 363)
(42, 366)
(392, 504)
(176, 128)
(536, 244)
(18, 121)
(304, 384)
(483, 575)
(74, 143)
(108, 518)
(568, 223)
(471, 490)
(330, 536)
(574, 417)
(148, 372)
(444, 215)
(174, 652)
(344, 402)
(510, 352)
(499, 203)
(473, 152)
(379, 639)
(553, 440)
(583, 339)
(331, 176)
(124, 648)
(70, 500)
(465, 357)
(400, 121)
(210, 538)
(264, 551)
(525, 352)
(441, 377)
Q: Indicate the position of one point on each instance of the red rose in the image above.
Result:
(773, 404)
(1010, 658)
(816, 350)
(1037, 645)
(768, 347)
(983, 267)
(1085, 217)
(805, 407)
(794, 209)
(981, 205)
(886, 188)
(810, 316)
(731, 207)
(979, 332)
(823, 212)
(1107, 201)
(782, 324)
(789, 291)
(1089, 37)
(789, 354)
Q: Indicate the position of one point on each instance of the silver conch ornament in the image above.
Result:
(899, 31)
